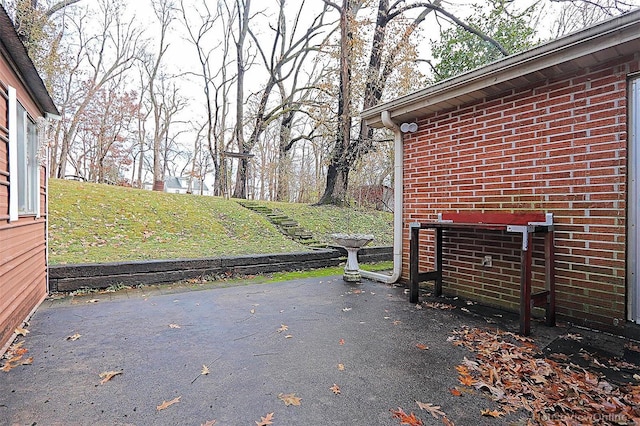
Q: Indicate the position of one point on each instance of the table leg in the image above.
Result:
(437, 287)
(525, 286)
(550, 278)
(414, 248)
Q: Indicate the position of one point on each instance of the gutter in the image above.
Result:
(398, 170)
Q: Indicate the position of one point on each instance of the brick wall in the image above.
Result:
(558, 146)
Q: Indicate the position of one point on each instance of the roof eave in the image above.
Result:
(609, 39)
(17, 54)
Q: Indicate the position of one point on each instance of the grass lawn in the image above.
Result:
(91, 223)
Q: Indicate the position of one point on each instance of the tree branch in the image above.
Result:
(455, 20)
(59, 6)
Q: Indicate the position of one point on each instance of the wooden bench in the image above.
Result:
(525, 223)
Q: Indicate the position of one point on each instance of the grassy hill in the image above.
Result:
(101, 223)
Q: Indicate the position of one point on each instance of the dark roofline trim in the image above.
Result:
(13, 49)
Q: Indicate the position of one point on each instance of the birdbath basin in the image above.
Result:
(352, 243)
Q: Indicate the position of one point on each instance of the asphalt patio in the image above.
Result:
(311, 351)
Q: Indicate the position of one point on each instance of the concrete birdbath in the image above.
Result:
(352, 243)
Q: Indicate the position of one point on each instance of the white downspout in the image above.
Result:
(48, 117)
(397, 205)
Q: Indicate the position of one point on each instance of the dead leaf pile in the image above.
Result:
(14, 357)
(511, 369)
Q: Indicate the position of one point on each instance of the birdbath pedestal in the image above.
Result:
(352, 243)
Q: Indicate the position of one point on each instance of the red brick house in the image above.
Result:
(555, 129)
(24, 106)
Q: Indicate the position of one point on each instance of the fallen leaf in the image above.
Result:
(205, 370)
(438, 305)
(559, 356)
(253, 311)
(422, 346)
(209, 423)
(108, 375)
(282, 328)
(22, 331)
(167, 404)
(341, 367)
(14, 356)
(335, 389)
(570, 336)
(491, 413)
(466, 380)
(455, 392)
(357, 291)
(447, 422)
(266, 420)
(288, 336)
(27, 361)
(174, 326)
(462, 370)
(434, 410)
(493, 390)
(74, 337)
(406, 419)
(341, 342)
(397, 322)
(290, 399)
(537, 378)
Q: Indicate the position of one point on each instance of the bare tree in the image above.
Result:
(216, 83)
(382, 61)
(339, 166)
(242, 11)
(283, 61)
(105, 134)
(158, 89)
(101, 57)
(576, 14)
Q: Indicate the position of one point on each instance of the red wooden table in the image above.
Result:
(525, 223)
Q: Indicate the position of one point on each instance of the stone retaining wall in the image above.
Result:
(64, 278)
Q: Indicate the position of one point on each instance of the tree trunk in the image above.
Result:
(338, 171)
(243, 27)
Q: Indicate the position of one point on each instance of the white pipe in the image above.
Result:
(397, 205)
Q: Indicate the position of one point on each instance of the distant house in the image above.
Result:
(180, 185)
(379, 197)
(25, 105)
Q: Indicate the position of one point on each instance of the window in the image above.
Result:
(24, 167)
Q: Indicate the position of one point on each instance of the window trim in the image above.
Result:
(14, 210)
